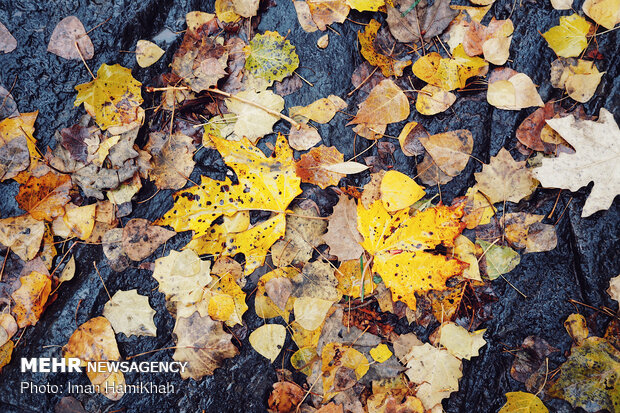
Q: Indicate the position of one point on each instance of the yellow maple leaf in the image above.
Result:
(113, 98)
(264, 184)
(398, 243)
(366, 5)
(569, 38)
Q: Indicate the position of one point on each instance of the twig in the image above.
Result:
(363, 81)
(256, 105)
(106, 288)
(83, 61)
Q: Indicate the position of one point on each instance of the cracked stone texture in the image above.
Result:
(579, 268)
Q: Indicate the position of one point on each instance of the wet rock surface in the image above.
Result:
(579, 268)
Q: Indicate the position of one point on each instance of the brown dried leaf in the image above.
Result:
(141, 239)
(7, 41)
(342, 235)
(308, 168)
(172, 159)
(23, 234)
(385, 104)
(67, 37)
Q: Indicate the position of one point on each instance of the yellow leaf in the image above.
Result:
(195, 19)
(113, 98)
(579, 77)
(522, 402)
(385, 104)
(270, 57)
(225, 11)
(569, 38)
(460, 342)
(265, 307)
(302, 359)
(450, 150)
(264, 184)
(310, 312)
(147, 53)
(326, 12)
(18, 148)
(380, 353)
(268, 340)
(603, 12)
(336, 356)
(23, 234)
(229, 305)
(577, 328)
(398, 191)
(366, 5)
(30, 298)
(465, 250)
(388, 65)
(321, 111)
(80, 220)
(349, 276)
(446, 73)
(433, 100)
(131, 314)
(516, 93)
(6, 351)
(253, 122)
(398, 242)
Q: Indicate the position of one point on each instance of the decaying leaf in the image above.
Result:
(325, 12)
(30, 298)
(200, 61)
(398, 243)
(7, 41)
(70, 41)
(342, 366)
(385, 104)
(303, 138)
(148, 53)
(590, 377)
(515, 92)
(246, 8)
(44, 197)
(530, 361)
(268, 340)
(521, 402)
(603, 12)
(388, 65)
(596, 144)
(449, 73)
(504, 179)
(113, 98)
(450, 153)
(203, 344)
(130, 313)
(171, 159)
(579, 77)
(498, 259)
(433, 100)
(17, 145)
(409, 139)
(569, 38)
(286, 396)
(23, 234)
(270, 57)
(614, 288)
(253, 122)
(460, 342)
(577, 328)
(321, 111)
(308, 168)
(342, 235)
(435, 370)
(304, 16)
(310, 312)
(95, 341)
(414, 21)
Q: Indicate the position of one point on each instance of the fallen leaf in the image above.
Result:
(304, 137)
(225, 300)
(504, 179)
(522, 402)
(203, 344)
(7, 41)
(17, 145)
(594, 143)
(349, 275)
(94, 340)
(399, 191)
(182, 277)
(530, 358)
(385, 104)
(342, 235)
(347, 168)
(268, 340)
(23, 234)
(321, 111)
(76, 221)
(200, 61)
(366, 5)
(323, 41)
(577, 328)
(590, 377)
(515, 93)
(196, 19)
(388, 65)
(562, 4)
(381, 353)
(412, 21)
(253, 122)
(171, 159)
(435, 370)
(304, 16)
(270, 57)
(534, 131)
(569, 38)
(398, 241)
(6, 350)
(433, 100)
(112, 243)
(68, 272)
(449, 73)
(286, 396)
(326, 12)
(225, 11)
(310, 312)
(465, 250)
(459, 342)
(614, 288)
(130, 313)
(8, 328)
(70, 41)
(478, 209)
(148, 53)
(450, 152)
(579, 77)
(113, 98)
(498, 259)
(336, 361)
(603, 12)
(30, 298)
(309, 167)
(409, 139)
(44, 197)
(246, 8)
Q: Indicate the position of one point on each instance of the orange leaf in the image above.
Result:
(44, 197)
(30, 298)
